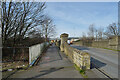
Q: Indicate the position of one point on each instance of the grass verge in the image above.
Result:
(111, 49)
(106, 48)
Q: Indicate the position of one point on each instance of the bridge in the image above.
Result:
(62, 60)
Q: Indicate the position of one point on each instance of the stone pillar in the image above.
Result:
(64, 38)
(114, 43)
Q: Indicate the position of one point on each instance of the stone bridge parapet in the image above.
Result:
(80, 58)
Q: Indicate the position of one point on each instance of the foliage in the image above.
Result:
(99, 33)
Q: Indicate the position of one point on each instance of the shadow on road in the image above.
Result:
(96, 63)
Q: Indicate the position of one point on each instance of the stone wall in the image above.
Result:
(80, 58)
(112, 43)
(68, 50)
(100, 44)
(83, 43)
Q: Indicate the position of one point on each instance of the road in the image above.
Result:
(106, 60)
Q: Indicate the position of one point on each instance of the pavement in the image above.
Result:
(105, 60)
(54, 64)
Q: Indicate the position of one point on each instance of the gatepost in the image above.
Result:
(64, 38)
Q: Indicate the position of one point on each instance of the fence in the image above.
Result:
(28, 54)
(35, 51)
(15, 54)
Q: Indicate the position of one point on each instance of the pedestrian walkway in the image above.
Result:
(53, 64)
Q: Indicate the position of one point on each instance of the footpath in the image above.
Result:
(53, 64)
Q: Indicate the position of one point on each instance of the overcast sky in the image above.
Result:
(75, 17)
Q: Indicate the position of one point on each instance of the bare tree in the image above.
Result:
(48, 28)
(36, 33)
(84, 36)
(91, 31)
(96, 34)
(18, 18)
(112, 30)
(100, 33)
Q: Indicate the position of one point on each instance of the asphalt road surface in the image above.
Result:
(106, 60)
